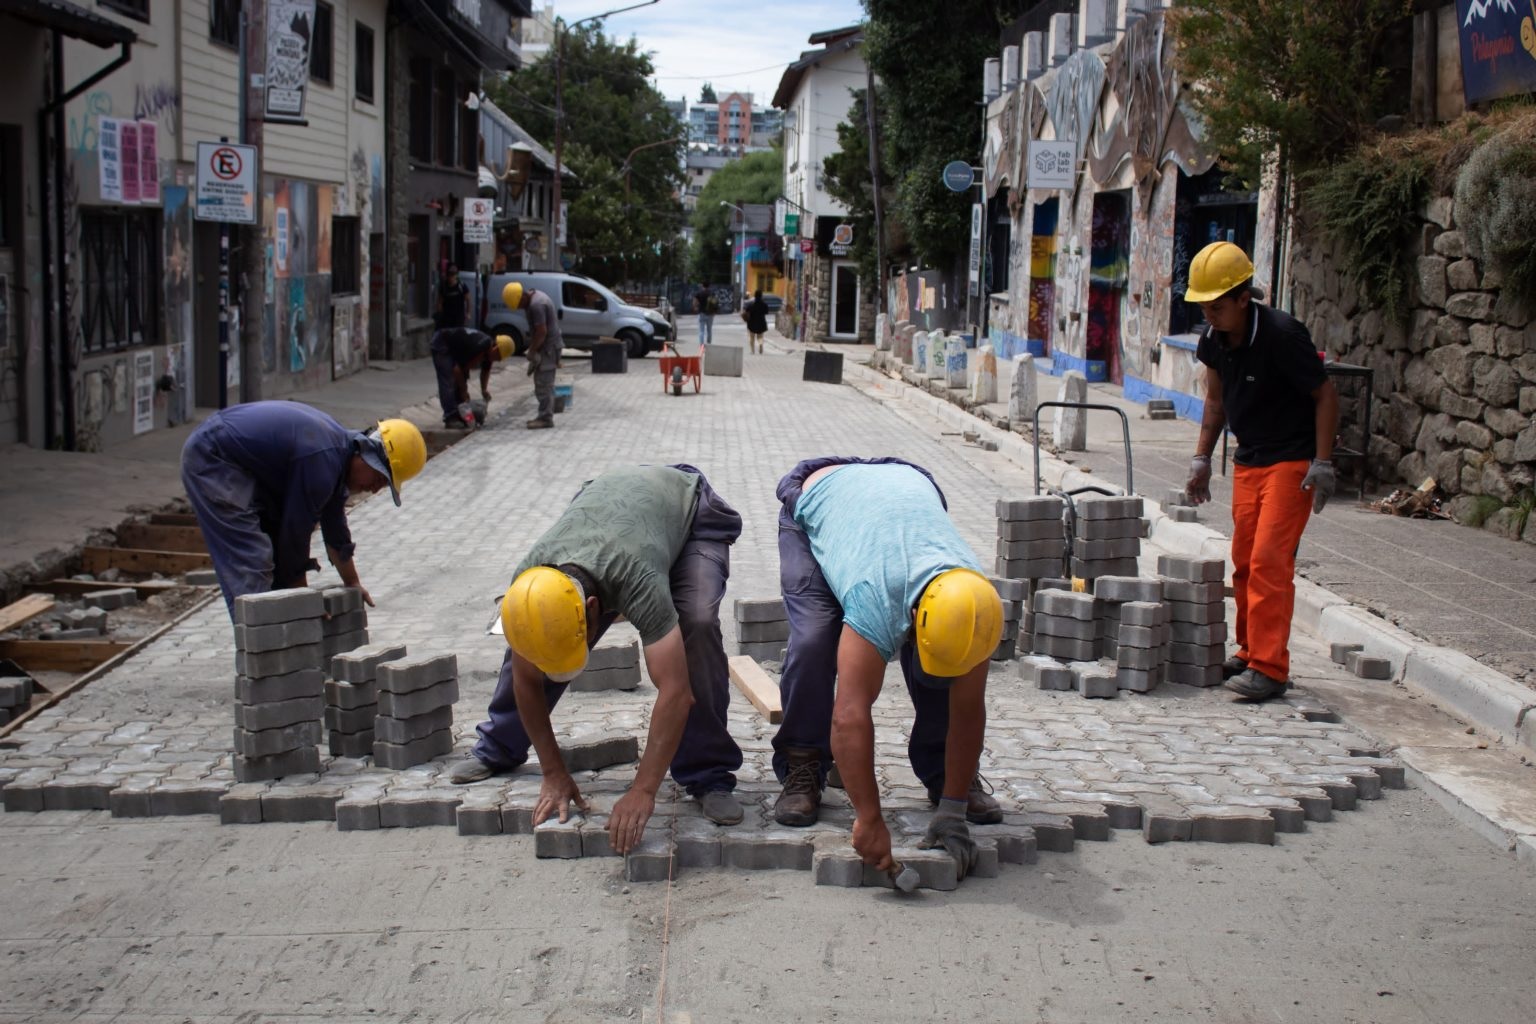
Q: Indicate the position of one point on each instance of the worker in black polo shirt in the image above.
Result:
(455, 352)
(1265, 379)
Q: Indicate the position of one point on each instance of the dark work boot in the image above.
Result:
(981, 807)
(1233, 666)
(1253, 685)
(800, 802)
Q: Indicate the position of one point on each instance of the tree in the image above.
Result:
(755, 178)
(611, 112)
(848, 181)
(707, 94)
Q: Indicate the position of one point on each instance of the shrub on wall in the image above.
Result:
(1496, 209)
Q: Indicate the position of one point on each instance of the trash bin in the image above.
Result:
(610, 356)
(823, 367)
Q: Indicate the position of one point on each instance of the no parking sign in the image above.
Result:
(226, 183)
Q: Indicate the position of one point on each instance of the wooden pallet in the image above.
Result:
(29, 607)
(62, 655)
(169, 563)
(72, 588)
(156, 537)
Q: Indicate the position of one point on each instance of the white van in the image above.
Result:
(588, 311)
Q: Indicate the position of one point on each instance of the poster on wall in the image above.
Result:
(143, 392)
(149, 162)
(128, 145)
(110, 160)
(290, 26)
(1498, 48)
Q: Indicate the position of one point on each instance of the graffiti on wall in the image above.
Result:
(298, 341)
(1074, 100)
(85, 127)
(177, 247)
(159, 102)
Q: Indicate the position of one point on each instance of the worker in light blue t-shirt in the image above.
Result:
(872, 569)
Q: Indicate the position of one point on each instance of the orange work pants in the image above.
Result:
(1269, 512)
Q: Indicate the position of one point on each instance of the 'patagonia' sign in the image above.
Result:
(1498, 48)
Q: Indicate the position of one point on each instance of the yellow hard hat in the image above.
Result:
(1216, 270)
(544, 618)
(959, 622)
(504, 346)
(512, 295)
(404, 450)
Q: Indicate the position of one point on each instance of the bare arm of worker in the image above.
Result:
(1214, 419)
(558, 789)
(860, 675)
(346, 568)
(1326, 400)
(967, 729)
(485, 379)
(667, 662)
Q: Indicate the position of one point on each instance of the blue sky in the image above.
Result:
(737, 47)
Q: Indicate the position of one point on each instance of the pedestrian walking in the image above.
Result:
(756, 316)
(706, 305)
(1264, 379)
(544, 345)
(857, 597)
(452, 306)
(457, 351)
(650, 543)
(261, 476)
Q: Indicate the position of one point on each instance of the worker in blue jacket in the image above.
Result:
(261, 476)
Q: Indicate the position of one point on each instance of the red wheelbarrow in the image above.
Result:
(676, 368)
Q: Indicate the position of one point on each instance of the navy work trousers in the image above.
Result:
(808, 685)
(447, 392)
(707, 757)
(223, 498)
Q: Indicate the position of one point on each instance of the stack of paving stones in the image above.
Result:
(1031, 539)
(280, 683)
(1014, 594)
(352, 698)
(1107, 540)
(415, 719)
(610, 667)
(1134, 624)
(762, 629)
(1178, 507)
(346, 624)
(15, 695)
(1195, 596)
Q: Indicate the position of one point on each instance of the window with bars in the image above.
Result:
(120, 278)
(322, 44)
(362, 63)
(346, 255)
(224, 23)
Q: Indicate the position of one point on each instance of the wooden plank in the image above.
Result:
(170, 563)
(172, 519)
(155, 537)
(145, 588)
(757, 686)
(29, 607)
(61, 655)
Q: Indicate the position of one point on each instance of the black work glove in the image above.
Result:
(953, 835)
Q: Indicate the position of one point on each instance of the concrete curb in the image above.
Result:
(1483, 697)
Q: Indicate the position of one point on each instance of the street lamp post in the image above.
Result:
(742, 274)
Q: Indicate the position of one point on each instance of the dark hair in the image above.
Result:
(757, 294)
(1246, 288)
(453, 268)
(582, 577)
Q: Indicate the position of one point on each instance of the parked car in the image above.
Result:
(773, 302)
(588, 311)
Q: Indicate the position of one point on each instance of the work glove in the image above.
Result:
(1199, 485)
(948, 830)
(1320, 480)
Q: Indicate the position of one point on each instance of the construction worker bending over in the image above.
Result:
(1265, 379)
(873, 569)
(261, 476)
(544, 342)
(455, 352)
(650, 543)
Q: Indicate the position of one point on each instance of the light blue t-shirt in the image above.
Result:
(880, 534)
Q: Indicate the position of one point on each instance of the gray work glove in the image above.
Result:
(949, 831)
(1321, 481)
(1199, 486)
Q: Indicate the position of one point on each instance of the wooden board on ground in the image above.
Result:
(29, 607)
(61, 655)
(71, 588)
(173, 519)
(757, 686)
(170, 563)
(155, 537)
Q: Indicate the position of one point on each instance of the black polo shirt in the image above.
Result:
(1266, 386)
(464, 343)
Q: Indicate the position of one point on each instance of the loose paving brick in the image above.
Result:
(1194, 570)
(257, 639)
(626, 677)
(362, 665)
(407, 755)
(1367, 667)
(294, 762)
(599, 752)
(1339, 652)
(242, 805)
(614, 656)
(300, 803)
(1033, 530)
(342, 600)
(1044, 506)
(278, 606)
(1127, 588)
(177, 797)
(279, 662)
(299, 685)
(361, 719)
(479, 816)
(780, 849)
(419, 809)
(653, 860)
(561, 840)
(762, 632)
(837, 865)
(358, 811)
(408, 730)
(276, 741)
(110, 600)
(762, 610)
(351, 744)
(277, 714)
(332, 645)
(411, 675)
(409, 705)
(338, 624)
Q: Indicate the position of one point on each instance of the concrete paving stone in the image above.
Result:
(76, 793)
(1144, 637)
(276, 741)
(406, 730)
(1341, 790)
(358, 811)
(175, 797)
(1143, 658)
(1315, 803)
(279, 606)
(595, 753)
(359, 719)
(362, 664)
(595, 841)
(298, 685)
(343, 643)
(1191, 592)
(350, 744)
(1065, 604)
(241, 805)
(407, 755)
(111, 600)
(351, 696)
(1367, 667)
(1045, 672)
(1390, 773)
(654, 859)
(259, 639)
(25, 791)
(131, 800)
(70, 634)
(294, 762)
(1191, 633)
(1095, 507)
(554, 839)
(762, 632)
(1109, 529)
(1122, 589)
(409, 675)
(1105, 550)
(598, 680)
(1052, 583)
(1090, 822)
(83, 618)
(1068, 628)
(836, 864)
(772, 650)
(277, 714)
(1094, 680)
(1010, 589)
(1065, 649)
(1015, 844)
(769, 850)
(1137, 680)
(1040, 506)
(479, 816)
(1192, 675)
(1183, 514)
(419, 702)
(623, 655)
(1288, 815)
(517, 818)
(300, 803)
(698, 842)
(1032, 529)
(1199, 614)
(935, 869)
(15, 691)
(759, 610)
(1167, 826)
(342, 600)
(1338, 652)
(1194, 570)
(1231, 825)
(279, 662)
(338, 624)
(988, 860)
(1028, 568)
(1092, 569)
(1143, 613)
(200, 578)
(1030, 550)
(1199, 655)
(424, 808)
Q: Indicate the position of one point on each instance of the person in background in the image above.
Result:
(544, 344)
(756, 316)
(706, 305)
(452, 307)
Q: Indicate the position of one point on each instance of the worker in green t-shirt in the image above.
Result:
(650, 543)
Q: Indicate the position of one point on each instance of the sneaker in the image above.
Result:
(1253, 685)
(1233, 666)
(721, 807)
(800, 803)
(981, 807)
(471, 769)
(539, 424)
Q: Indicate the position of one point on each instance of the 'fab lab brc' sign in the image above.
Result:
(1498, 48)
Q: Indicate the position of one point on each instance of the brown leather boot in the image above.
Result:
(800, 802)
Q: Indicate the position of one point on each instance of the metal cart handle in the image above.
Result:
(1125, 426)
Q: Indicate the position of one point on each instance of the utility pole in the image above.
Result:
(874, 177)
(253, 250)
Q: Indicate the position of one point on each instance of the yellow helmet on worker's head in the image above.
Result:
(504, 346)
(958, 623)
(1216, 270)
(396, 450)
(544, 618)
(512, 295)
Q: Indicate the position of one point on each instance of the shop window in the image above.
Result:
(322, 44)
(346, 255)
(120, 272)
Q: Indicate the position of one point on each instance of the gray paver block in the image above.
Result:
(1067, 628)
(1015, 844)
(362, 665)
(1110, 529)
(1106, 550)
(1195, 570)
(697, 842)
(15, 691)
(1127, 588)
(351, 696)
(1183, 514)
(276, 714)
(295, 762)
(350, 744)
(594, 838)
(599, 752)
(769, 850)
(479, 818)
(406, 730)
(1192, 675)
(770, 650)
(332, 645)
(25, 792)
(1010, 590)
(338, 624)
(1033, 529)
(597, 680)
(419, 809)
(761, 610)
(1166, 826)
(1192, 592)
(1028, 568)
(614, 656)
(70, 793)
(300, 803)
(1143, 613)
(1199, 614)
(1042, 506)
(935, 870)
(86, 633)
(241, 805)
(1367, 667)
(358, 719)
(1095, 507)
(258, 639)
(1030, 550)
(1221, 825)
(1065, 604)
(1137, 680)
(279, 606)
(1191, 633)
(653, 860)
(173, 797)
(109, 600)
(200, 578)
(409, 705)
(559, 840)
(1337, 653)
(762, 632)
(276, 741)
(838, 866)
(1089, 569)
(1201, 655)
(280, 662)
(408, 675)
(1065, 649)
(1143, 637)
(1046, 672)
(407, 755)
(130, 802)
(306, 682)
(341, 600)
(1095, 680)
(357, 813)
(988, 861)
(517, 819)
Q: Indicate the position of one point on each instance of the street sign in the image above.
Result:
(791, 225)
(958, 176)
(977, 213)
(1052, 164)
(477, 219)
(807, 245)
(842, 240)
(226, 183)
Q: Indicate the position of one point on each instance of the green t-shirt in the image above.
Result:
(626, 528)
